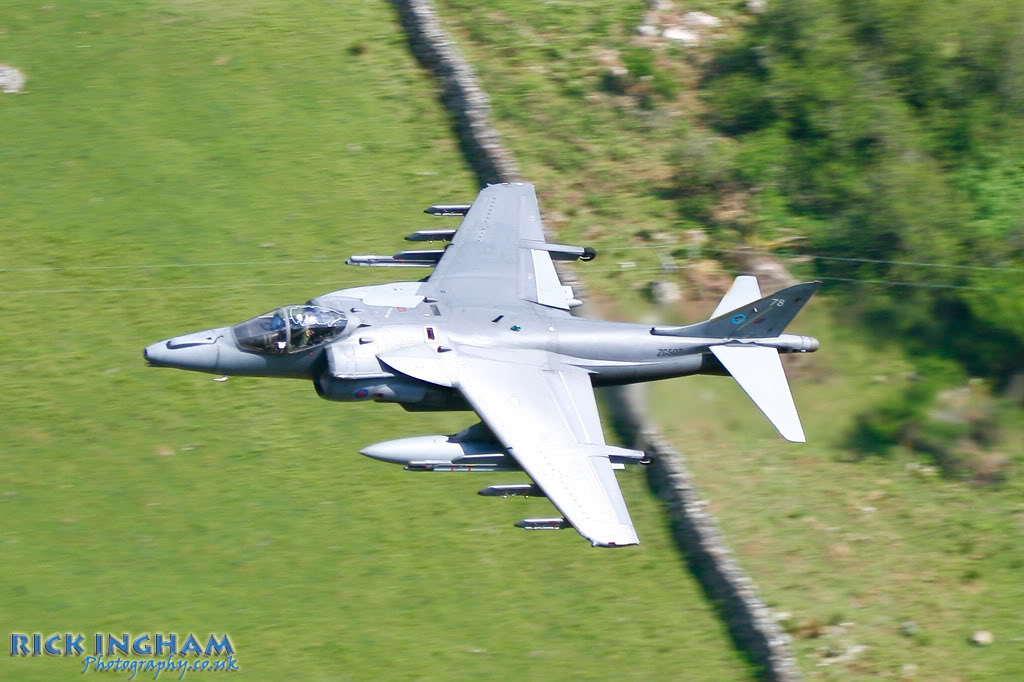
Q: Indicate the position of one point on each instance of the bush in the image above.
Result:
(892, 132)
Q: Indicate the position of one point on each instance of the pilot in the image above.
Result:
(306, 335)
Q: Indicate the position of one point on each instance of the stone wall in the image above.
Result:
(461, 92)
(750, 622)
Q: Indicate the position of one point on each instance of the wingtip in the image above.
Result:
(622, 536)
(595, 543)
(797, 437)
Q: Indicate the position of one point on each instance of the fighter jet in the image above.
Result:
(490, 330)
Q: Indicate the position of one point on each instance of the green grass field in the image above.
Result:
(828, 540)
(875, 543)
(144, 500)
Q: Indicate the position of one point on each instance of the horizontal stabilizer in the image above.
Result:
(758, 371)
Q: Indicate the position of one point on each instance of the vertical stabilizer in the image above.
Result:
(758, 318)
(744, 290)
(758, 370)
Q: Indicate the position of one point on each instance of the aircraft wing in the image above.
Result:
(499, 254)
(544, 413)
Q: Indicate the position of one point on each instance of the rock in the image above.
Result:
(12, 80)
(708, 278)
(1015, 389)
(982, 638)
(990, 467)
(665, 292)
(910, 628)
(757, 6)
(771, 274)
(834, 655)
(702, 20)
(685, 36)
(660, 5)
(617, 80)
(668, 263)
(647, 30)
(908, 670)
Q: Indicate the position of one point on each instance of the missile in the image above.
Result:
(425, 256)
(448, 209)
(495, 462)
(543, 524)
(445, 453)
(513, 490)
(421, 259)
(452, 466)
(431, 236)
(387, 262)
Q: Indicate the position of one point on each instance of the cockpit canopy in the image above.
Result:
(291, 329)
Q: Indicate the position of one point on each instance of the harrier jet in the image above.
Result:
(490, 330)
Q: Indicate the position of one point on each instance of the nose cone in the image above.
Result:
(198, 352)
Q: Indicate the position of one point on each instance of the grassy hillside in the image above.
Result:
(627, 161)
(911, 564)
(145, 500)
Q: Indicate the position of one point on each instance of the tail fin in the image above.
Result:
(744, 290)
(764, 318)
(756, 366)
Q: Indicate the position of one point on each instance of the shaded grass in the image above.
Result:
(142, 500)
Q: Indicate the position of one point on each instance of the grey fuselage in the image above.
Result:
(385, 318)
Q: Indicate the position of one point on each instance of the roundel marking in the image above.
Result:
(361, 393)
(739, 319)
